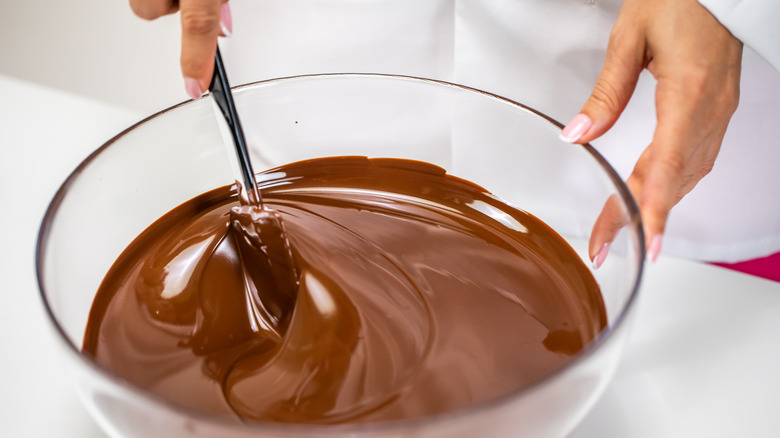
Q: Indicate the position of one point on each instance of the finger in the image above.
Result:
(669, 167)
(686, 141)
(624, 61)
(609, 222)
(613, 216)
(225, 20)
(153, 9)
(200, 23)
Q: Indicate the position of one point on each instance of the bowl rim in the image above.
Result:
(308, 429)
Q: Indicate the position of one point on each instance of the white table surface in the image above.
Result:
(703, 359)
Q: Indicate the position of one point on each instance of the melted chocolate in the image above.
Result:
(418, 293)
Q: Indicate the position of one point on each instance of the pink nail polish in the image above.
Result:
(578, 126)
(655, 248)
(601, 256)
(193, 88)
(226, 20)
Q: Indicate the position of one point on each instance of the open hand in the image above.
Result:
(696, 62)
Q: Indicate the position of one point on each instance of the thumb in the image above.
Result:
(201, 24)
(613, 89)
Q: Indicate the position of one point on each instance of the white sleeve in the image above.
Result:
(755, 22)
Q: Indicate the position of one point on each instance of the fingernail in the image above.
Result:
(578, 126)
(601, 256)
(193, 88)
(655, 248)
(226, 20)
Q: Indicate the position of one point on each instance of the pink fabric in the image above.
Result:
(767, 267)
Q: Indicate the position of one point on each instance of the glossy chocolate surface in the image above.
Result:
(418, 293)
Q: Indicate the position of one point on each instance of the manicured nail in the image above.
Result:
(578, 126)
(193, 88)
(655, 248)
(226, 20)
(601, 256)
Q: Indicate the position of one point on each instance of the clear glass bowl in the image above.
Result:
(174, 155)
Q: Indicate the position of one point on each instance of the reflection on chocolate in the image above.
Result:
(418, 293)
